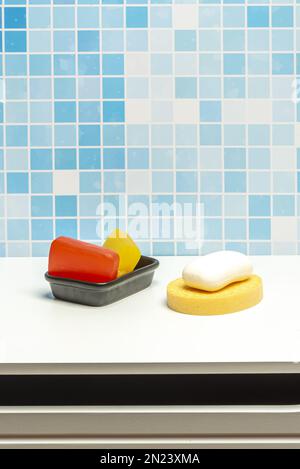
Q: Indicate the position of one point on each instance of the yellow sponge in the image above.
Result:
(233, 298)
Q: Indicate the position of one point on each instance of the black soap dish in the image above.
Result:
(101, 294)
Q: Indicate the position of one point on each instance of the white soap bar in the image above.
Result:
(216, 270)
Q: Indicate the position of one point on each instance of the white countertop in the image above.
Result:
(140, 333)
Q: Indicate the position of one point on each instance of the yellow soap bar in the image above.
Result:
(235, 297)
(121, 273)
(128, 251)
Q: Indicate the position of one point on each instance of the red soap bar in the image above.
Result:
(73, 259)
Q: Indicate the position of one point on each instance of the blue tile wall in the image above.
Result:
(111, 110)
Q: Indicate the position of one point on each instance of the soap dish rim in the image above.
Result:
(138, 271)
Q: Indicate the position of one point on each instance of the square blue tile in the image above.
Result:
(38, 17)
(259, 228)
(234, 87)
(113, 135)
(89, 158)
(282, 40)
(89, 229)
(258, 16)
(17, 183)
(17, 229)
(113, 111)
(259, 182)
(234, 158)
(259, 205)
(64, 17)
(16, 135)
(88, 41)
(64, 41)
(15, 18)
(209, 40)
(40, 158)
(235, 228)
(210, 111)
(186, 134)
(234, 64)
(112, 17)
(210, 64)
(113, 88)
(258, 134)
(65, 111)
(233, 16)
(282, 64)
(89, 205)
(64, 64)
(210, 134)
(163, 248)
(282, 16)
(89, 135)
(234, 134)
(66, 227)
(283, 205)
(161, 64)
(41, 183)
(212, 228)
(66, 205)
(65, 135)
(258, 64)
(40, 249)
(186, 181)
(160, 17)
(40, 64)
(88, 17)
(113, 64)
(186, 158)
(64, 88)
(162, 158)
(112, 40)
(89, 111)
(283, 134)
(136, 17)
(15, 41)
(16, 88)
(90, 181)
(65, 158)
(41, 206)
(209, 16)
(235, 181)
(185, 87)
(162, 182)
(234, 40)
(258, 88)
(283, 182)
(114, 181)
(209, 87)
(258, 40)
(88, 64)
(138, 135)
(114, 158)
(185, 40)
(42, 229)
(137, 40)
(260, 249)
(40, 135)
(212, 205)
